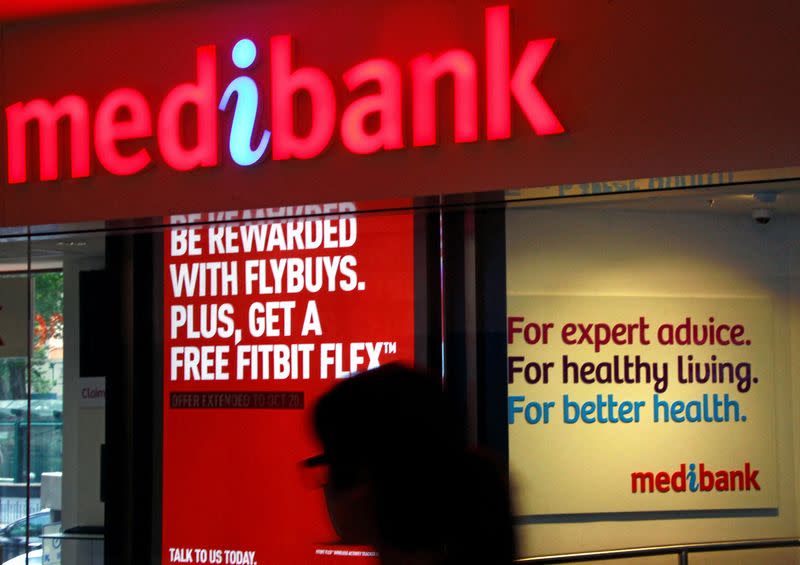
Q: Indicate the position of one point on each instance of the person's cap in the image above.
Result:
(386, 414)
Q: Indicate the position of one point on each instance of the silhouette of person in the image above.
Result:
(399, 478)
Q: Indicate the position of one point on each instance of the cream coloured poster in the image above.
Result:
(631, 404)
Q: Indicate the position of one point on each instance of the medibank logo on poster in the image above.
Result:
(696, 478)
(125, 115)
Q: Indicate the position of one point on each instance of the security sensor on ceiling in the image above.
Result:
(763, 215)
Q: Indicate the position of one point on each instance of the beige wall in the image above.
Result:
(580, 250)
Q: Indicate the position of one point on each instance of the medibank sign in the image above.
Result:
(366, 124)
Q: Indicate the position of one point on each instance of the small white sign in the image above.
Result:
(93, 392)
(51, 548)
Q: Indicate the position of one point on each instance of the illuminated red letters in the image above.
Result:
(369, 122)
(425, 71)
(202, 95)
(108, 130)
(501, 85)
(387, 104)
(285, 84)
(71, 108)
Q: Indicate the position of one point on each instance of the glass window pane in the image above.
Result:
(15, 347)
(65, 432)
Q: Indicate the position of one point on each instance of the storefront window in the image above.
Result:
(121, 382)
(67, 425)
(15, 307)
(212, 212)
(40, 419)
(594, 340)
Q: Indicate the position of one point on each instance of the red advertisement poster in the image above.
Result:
(263, 314)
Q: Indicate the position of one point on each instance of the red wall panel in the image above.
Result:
(643, 89)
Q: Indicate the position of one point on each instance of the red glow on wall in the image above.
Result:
(10, 11)
(586, 79)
